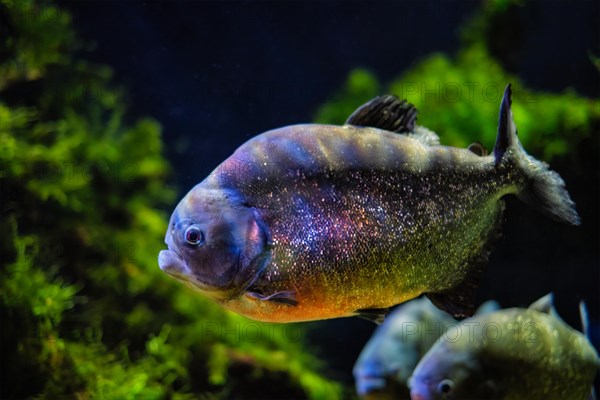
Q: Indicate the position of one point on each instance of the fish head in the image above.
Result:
(446, 373)
(386, 362)
(375, 380)
(216, 244)
(371, 385)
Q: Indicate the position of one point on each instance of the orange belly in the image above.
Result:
(315, 306)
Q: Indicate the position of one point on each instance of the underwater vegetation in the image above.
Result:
(86, 312)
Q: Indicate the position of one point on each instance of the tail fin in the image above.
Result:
(545, 189)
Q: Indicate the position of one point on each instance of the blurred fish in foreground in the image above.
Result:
(311, 222)
(390, 356)
(512, 354)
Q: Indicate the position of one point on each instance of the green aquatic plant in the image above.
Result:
(86, 312)
(459, 96)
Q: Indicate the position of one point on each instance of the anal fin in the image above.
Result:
(460, 300)
(376, 315)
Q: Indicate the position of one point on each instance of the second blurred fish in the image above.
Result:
(390, 356)
(512, 354)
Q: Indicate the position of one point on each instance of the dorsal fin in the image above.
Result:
(425, 136)
(386, 112)
(585, 319)
(544, 304)
(478, 148)
(488, 307)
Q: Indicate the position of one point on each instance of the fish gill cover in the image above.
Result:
(85, 310)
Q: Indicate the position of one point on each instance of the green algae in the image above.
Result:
(86, 312)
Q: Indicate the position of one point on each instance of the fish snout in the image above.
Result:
(171, 263)
(369, 384)
(417, 393)
(419, 390)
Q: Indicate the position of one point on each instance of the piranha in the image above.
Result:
(511, 354)
(313, 221)
(389, 358)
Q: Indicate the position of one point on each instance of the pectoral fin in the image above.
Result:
(376, 315)
(287, 297)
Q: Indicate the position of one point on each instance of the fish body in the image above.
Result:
(314, 221)
(511, 354)
(388, 359)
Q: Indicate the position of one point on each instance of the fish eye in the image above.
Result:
(445, 386)
(194, 236)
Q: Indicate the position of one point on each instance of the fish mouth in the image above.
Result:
(369, 384)
(173, 264)
(227, 286)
